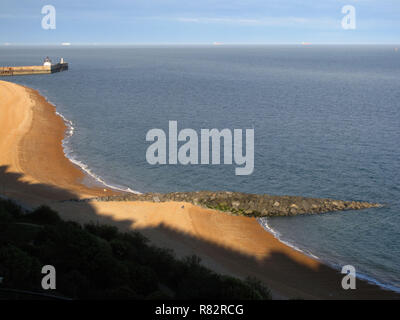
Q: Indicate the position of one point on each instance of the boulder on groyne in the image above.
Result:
(254, 205)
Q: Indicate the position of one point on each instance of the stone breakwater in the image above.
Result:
(253, 205)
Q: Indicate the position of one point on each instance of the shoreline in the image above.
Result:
(334, 266)
(36, 170)
(34, 150)
(69, 132)
(78, 163)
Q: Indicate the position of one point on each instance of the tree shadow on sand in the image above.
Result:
(277, 270)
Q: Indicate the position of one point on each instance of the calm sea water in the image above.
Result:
(326, 120)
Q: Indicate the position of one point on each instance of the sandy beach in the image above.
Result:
(34, 171)
(32, 157)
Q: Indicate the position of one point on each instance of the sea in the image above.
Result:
(326, 121)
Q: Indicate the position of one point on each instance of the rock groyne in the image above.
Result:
(254, 205)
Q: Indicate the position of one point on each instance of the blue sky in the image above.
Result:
(200, 21)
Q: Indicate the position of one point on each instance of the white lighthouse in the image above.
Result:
(47, 62)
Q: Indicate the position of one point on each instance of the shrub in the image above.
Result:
(44, 215)
(17, 268)
(103, 231)
(99, 262)
(5, 216)
(10, 210)
(258, 288)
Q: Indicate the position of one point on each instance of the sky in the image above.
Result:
(200, 22)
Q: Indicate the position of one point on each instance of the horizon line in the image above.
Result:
(216, 44)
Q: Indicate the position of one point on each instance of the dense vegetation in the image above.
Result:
(99, 262)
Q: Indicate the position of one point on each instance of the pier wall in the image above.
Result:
(15, 71)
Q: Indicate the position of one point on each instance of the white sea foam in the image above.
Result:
(85, 168)
(264, 223)
(369, 279)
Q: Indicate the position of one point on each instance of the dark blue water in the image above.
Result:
(326, 121)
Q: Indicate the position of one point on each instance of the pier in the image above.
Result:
(47, 68)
